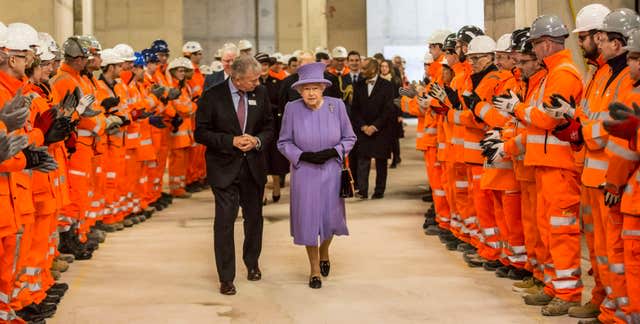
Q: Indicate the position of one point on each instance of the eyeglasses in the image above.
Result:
(476, 58)
(523, 62)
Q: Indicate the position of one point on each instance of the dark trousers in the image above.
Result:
(364, 165)
(395, 149)
(246, 193)
(353, 165)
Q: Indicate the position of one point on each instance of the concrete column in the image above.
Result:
(87, 17)
(63, 19)
(347, 24)
(266, 17)
(314, 24)
(526, 12)
(288, 25)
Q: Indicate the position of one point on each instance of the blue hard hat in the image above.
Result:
(160, 46)
(139, 61)
(150, 56)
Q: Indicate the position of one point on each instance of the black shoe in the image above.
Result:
(37, 311)
(453, 245)
(377, 195)
(52, 299)
(428, 197)
(315, 283)
(518, 274)
(503, 271)
(190, 188)
(492, 265)
(58, 287)
(282, 181)
(227, 288)
(466, 247)
(429, 222)
(393, 166)
(446, 237)
(275, 198)
(325, 268)
(431, 213)
(432, 230)
(474, 262)
(254, 274)
(362, 196)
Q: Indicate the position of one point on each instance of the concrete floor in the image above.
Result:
(387, 271)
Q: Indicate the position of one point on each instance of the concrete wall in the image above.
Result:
(347, 24)
(139, 22)
(499, 17)
(267, 26)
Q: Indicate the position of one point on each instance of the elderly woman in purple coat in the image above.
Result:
(316, 135)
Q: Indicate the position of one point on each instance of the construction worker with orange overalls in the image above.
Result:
(555, 170)
(625, 125)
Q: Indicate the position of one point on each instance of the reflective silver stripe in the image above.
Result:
(111, 175)
(84, 133)
(527, 114)
(518, 258)
(608, 303)
(603, 260)
(180, 133)
(457, 141)
(495, 245)
(472, 146)
(622, 152)
(470, 220)
(98, 126)
(491, 231)
(549, 266)
(7, 316)
(588, 228)
(567, 284)
(518, 140)
(4, 298)
(35, 286)
(95, 204)
(628, 190)
(78, 173)
(520, 249)
(608, 290)
(540, 139)
(533, 261)
(591, 163)
(622, 301)
(462, 184)
(585, 209)
(442, 146)
(507, 165)
(431, 131)
(568, 273)
(419, 135)
(439, 193)
(146, 142)
(133, 135)
(547, 278)
(456, 117)
(630, 233)
(31, 271)
(617, 268)
(476, 177)
(484, 110)
(562, 221)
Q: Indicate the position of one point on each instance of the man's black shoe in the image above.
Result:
(492, 265)
(377, 195)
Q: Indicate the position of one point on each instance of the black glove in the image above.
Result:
(176, 121)
(59, 130)
(157, 90)
(157, 122)
(327, 154)
(125, 121)
(471, 100)
(39, 159)
(173, 94)
(311, 158)
(109, 103)
(452, 95)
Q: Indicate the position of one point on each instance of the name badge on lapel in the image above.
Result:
(252, 102)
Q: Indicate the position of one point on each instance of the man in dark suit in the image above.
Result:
(229, 53)
(234, 121)
(371, 111)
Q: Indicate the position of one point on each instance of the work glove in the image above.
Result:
(471, 100)
(109, 103)
(113, 124)
(11, 145)
(625, 123)
(490, 138)
(409, 92)
(437, 92)
(424, 101)
(38, 159)
(69, 102)
(311, 158)
(494, 152)
(45, 120)
(453, 97)
(70, 144)
(176, 121)
(84, 106)
(15, 112)
(59, 130)
(571, 131)
(441, 110)
(174, 93)
(559, 107)
(157, 90)
(157, 122)
(612, 194)
(506, 102)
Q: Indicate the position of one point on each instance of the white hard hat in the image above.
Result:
(591, 17)
(428, 58)
(180, 62)
(44, 52)
(51, 43)
(3, 34)
(110, 56)
(125, 51)
(286, 58)
(503, 43)
(205, 69)
(244, 45)
(321, 49)
(20, 37)
(482, 44)
(438, 36)
(339, 52)
(296, 53)
(191, 47)
(216, 66)
(218, 53)
(279, 58)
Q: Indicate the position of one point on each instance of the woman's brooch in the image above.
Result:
(331, 107)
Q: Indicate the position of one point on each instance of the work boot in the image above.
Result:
(109, 228)
(558, 307)
(446, 237)
(157, 205)
(518, 274)
(68, 258)
(453, 245)
(56, 275)
(119, 226)
(492, 265)
(59, 265)
(539, 299)
(167, 197)
(142, 218)
(428, 197)
(59, 288)
(190, 188)
(35, 312)
(591, 321)
(148, 212)
(429, 222)
(432, 230)
(127, 222)
(466, 256)
(521, 286)
(95, 236)
(431, 213)
(102, 235)
(184, 195)
(475, 261)
(503, 272)
(52, 299)
(587, 310)
(133, 219)
(464, 247)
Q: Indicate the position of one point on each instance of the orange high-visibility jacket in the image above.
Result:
(461, 81)
(196, 83)
(544, 149)
(103, 91)
(627, 163)
(139, 93)
(184, 107)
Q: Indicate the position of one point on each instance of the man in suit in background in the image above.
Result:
(229, 53)
(371, 111)
(234, 121)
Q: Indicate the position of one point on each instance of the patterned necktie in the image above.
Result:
(242, 110)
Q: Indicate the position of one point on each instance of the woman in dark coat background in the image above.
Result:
(389, 74)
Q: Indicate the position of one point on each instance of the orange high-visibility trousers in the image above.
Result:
(160, 140)
(434, 172)
(8, 263)
(616, 275)
(594, 215)
(131, 181)
(178, 159)
(21, 295)
(114, 169)
(558, 202)
(509, 219)
(532, 241)
(485, 221)
(37, 273)
(448, 185)
(631, 238)
(80, 170)
(466, 220)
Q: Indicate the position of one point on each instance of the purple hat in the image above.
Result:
(311, 73)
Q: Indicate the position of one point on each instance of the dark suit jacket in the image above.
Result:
(217, 124)
(376, 110)
(213, 79)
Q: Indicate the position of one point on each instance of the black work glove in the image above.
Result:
(59, 130)
(39, 159)
(157, 90)
(157, 122)
(109, 103)
(471, 100)
(125, 121)
(176, 121)
(452, 95)
(311, 158)
(174, 93)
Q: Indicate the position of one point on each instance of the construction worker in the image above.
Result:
(624, 124)
(276, 71)
(555, 170)
(245, 47)
(339, 67)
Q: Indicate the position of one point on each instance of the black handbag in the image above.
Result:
(347, 188)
